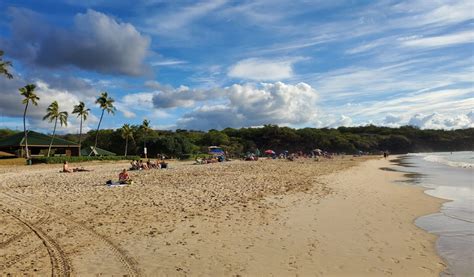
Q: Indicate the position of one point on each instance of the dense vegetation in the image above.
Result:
(373, 139)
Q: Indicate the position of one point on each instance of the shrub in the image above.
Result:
(194, 156)
(76, 159)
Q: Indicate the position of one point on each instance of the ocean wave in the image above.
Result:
(443, 160)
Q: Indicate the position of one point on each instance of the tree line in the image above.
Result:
(131, 140)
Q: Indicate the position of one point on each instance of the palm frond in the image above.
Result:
(63, 118)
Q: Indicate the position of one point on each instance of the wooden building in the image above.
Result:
(38, 145)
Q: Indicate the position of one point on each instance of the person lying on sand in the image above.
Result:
(66, 168)
(80, 169)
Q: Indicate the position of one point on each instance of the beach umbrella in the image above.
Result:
(269, 152)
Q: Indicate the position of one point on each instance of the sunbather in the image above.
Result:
(66, 168)
(80, 169)
(124, 177)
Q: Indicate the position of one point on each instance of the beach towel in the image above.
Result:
(116, 184)
(111, 183)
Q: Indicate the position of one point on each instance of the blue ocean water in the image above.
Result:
(448, 175)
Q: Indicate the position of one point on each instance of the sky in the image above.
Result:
(214, 64)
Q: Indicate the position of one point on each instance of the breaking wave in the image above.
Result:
(443, 160)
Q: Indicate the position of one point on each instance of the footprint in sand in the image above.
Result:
(427, 269)
(292, 262)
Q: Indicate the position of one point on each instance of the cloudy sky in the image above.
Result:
(219, 63)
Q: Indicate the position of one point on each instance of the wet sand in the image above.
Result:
(340, 217)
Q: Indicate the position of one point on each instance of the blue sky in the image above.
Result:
(217, 64)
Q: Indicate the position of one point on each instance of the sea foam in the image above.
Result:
(443, 160)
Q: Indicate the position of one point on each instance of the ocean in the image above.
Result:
(450, 176)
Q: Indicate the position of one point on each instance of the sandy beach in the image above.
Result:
(340, 217)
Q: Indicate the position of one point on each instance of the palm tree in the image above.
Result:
(82, 112)
(106, 103)
(28, 92)
(53, 113)
(4, 66)
(146, 128)
(127, 133)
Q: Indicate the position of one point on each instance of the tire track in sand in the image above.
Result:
(41, 221)
(120, 255)
(60, 265)
(18, 258)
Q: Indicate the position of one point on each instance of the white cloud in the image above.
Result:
(167, 62)
(182, 96)
(152, 84)
(175, 22)
(446, 121)
(437, 13)
(392, 119)
(441, 41)
(343, 120)
(236, 105)
(254, 105)
(142, 101)
(263, 69)
(442, 121)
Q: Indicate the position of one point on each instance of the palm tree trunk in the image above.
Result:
(24, 129)
(126, 146)
(80, 137)
(54, 132)
(98, 126)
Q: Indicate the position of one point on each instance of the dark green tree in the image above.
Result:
(81, 112)
(53, 114)
(28, 92)
(106, 103)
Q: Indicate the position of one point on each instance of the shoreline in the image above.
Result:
(340, 217)
(452, 223)
(350, 245)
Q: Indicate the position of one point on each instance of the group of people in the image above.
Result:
(124, 176)
(210, 160)
(289, 156)
(251, 157)
(140, 165)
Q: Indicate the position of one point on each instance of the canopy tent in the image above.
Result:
(215, 150)
(37, 143)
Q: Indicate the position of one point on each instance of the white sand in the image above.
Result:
(275, 218)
